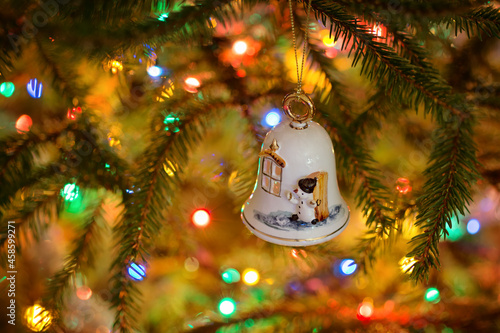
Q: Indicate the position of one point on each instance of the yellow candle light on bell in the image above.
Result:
(251, 276)
(38, 319)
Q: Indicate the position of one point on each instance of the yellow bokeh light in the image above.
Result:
(251, 276)
(170, 168)
(328, 41)
(406, 264)
(38, 319)
(115, 66)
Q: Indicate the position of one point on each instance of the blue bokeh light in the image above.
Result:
(155, 71)
(473, 226)
(34, 88)
(348, 266)
(273, 117)
(136, 272)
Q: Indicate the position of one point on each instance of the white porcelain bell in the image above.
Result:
(296, 199)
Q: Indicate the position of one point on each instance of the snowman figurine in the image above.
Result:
(303, 197)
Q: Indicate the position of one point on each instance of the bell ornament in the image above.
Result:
(296, 199)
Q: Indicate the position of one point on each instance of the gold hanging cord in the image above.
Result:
(299, 95)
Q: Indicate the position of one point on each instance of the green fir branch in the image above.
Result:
(450, 175)
(406, 83)
(371, 196)
(81, 256)
(144, 208)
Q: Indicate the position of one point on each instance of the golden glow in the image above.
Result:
(115, 66)
(328, 41)
(406, 264)
(251, 276)
(170, 168)
(38, 319)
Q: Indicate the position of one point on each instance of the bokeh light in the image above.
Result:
(34, 88)
(7, 89)
(227, 306)
(348, 266)
(163, 17)
(403, 185)
(231, 275)
(200, 218)
(38, 319)
(365, 310)
(84, 293)
(473, 226)
(432, 295)
(191, 264)
(273, 118)
(251, 276)
(70, 192)
(456, 231)
(73, 113)
(23, 123)
(155, 71)
(136, 272)
(406, 264)
(192, 84)
(115, 66)
(329, 42)
(240, 47)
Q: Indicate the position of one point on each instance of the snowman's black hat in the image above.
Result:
(307, 184)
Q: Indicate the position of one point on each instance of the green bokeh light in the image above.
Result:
(7, 89)
(227, 306)
(432, 295)
(70, 192)
(231, 275)
(456, 231)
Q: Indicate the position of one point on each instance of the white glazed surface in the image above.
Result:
(305, 151)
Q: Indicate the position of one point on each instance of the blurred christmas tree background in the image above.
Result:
(130, 133)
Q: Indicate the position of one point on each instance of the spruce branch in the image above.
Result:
(371, 195)
(451, 172)
(406, 83)
(144, 209)
(81, 256)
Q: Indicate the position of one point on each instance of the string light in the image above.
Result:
(73, 113)
(329, 42)
(473, 226)
(456, 231)
(251, 276)
(348, 266)
(192, 84)
(23, 123)
(116, 66)
(240, 47)
(136, 272)
(406, 264)
(273, 118)
(70, 192)
(162, 17)
(231, 275)
(84, 293)
(432, 295)
(7, 89)
(365, 310)
(34, 88)
(201, 218)
(403, 185)
(38, 319)
(155, 71)
(227, 306)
